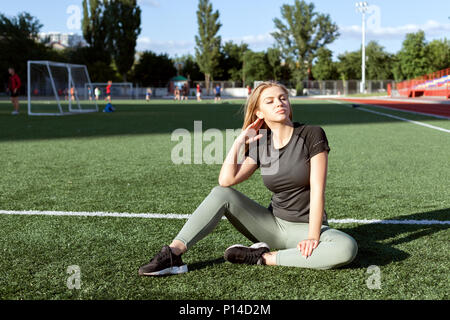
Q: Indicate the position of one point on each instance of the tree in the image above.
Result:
(324, 68)
(100, 70)
(19, 43)
(413, 56)
(190, 68)
(438, 55)
(255, 67)
(153, 69)
(274, 60)
(379, 63)
(231, 60)
(123, 19)
(95, 30)
(349, 65)
(207, 41)
(303, 33)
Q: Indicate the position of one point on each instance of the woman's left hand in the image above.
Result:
(307, 246)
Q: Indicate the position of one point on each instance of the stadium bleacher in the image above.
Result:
(433, 84)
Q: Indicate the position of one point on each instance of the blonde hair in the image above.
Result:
(252, 104)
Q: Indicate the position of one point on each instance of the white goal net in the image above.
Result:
(117, 90)
(56, 88)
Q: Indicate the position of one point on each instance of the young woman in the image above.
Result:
(293, 159)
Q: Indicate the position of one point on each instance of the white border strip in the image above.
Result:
(186, 216)
(407, 111)
(392, 116)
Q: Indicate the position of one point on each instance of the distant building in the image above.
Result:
(58, 40)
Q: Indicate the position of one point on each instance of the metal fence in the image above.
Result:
(310, 88)
(341, 87)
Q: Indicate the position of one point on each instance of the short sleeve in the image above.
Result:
(316, 141)
(253, 152)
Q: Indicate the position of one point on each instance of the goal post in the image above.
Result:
(118, 90)
(56, 88)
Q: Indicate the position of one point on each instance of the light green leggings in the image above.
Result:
(258, 224)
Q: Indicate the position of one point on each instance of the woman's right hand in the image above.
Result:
(250, 135)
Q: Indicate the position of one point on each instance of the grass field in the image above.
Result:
(379, 168)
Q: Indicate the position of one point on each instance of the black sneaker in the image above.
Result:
(164, 262)
(247, 255)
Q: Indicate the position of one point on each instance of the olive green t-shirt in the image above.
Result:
(285, 171)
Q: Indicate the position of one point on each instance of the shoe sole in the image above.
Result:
(167, 271)
(253, 246)
(260, 245)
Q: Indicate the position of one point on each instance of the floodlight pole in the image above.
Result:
(362, 8)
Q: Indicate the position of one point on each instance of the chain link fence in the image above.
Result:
(310, 88)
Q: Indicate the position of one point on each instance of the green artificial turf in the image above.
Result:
(379, 168)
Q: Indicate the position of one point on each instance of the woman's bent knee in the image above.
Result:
(348, 249)
(219, 191)
(219, 188)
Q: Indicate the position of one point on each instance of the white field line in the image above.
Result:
(395, 109)
(392, 116)
(413, 112)
(388, 99)
(186, 216)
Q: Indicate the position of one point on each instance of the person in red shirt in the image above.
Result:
(108, 91)
(14, 85)
(199, 92)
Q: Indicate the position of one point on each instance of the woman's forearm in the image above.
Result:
(230, 165)
(316, 209)
(318, 178)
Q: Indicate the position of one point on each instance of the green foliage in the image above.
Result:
(256, 67)
(190, 68)
(111, 28)
(438, 53)
(274, 60)
(95, 29)
(153, 69)
(324, 68)
(207, 50)
(379, 63)
(123, 20)
(299, 89)
(413, 57)
(303, 33)
(231, 61)
(18, 44)
(349, 65)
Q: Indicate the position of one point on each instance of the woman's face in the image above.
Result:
(274, 105)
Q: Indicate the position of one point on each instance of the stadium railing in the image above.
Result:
(434, 84)
(237, 90)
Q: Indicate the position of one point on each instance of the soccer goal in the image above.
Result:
(118, 90)
(56, 88)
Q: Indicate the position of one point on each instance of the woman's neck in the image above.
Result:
(281, 133)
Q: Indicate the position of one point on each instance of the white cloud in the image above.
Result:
(257, 42)
(150, 3)
(431, 28)
(170, 47)
(258, 39)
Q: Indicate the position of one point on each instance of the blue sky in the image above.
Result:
(169, 26)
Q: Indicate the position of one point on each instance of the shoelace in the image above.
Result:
(254, 256)
(162, 255)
